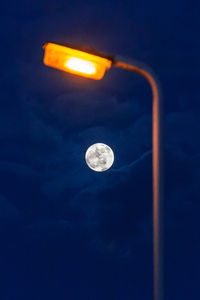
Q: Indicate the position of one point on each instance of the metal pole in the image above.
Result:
(157, 174)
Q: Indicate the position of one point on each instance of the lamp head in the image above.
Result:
(76, 61)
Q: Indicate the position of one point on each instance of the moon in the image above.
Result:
(99, 157)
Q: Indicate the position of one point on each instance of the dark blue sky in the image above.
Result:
(67, 232)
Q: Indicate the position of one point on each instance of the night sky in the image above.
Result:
(67, 232)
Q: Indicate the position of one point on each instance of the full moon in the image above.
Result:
(99, 157)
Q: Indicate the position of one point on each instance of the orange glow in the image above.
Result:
(75, 61)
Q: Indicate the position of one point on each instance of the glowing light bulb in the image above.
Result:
(80, 65)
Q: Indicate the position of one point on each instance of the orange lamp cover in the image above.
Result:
(75, 61)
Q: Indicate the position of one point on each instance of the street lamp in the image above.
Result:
(91, 64)
(75, 61)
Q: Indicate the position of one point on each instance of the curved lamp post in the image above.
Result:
(91, 64)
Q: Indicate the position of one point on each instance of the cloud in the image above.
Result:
(182, 129)
(20, 184)
(8, 212)
(54, 168)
